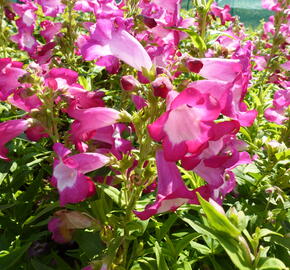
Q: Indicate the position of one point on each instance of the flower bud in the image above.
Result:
(129, 83)
(161, 86)
(150, 22)
(194, 65)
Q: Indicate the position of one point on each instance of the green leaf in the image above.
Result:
(9, 260)
(282, 241)
(161, 263)
(61, 263)
(166, 226)
(137, 227)
(270, 264)
(200, 248)
(208, 4)
(113, 193)
(89, 242)
(264, 232)
(48, 208)
(232, 246)
(38, 265)
(217, 220)
(235, 251)
(283, 155)
(183, 242)
(196, 39)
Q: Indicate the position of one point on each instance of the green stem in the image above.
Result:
(2, 35)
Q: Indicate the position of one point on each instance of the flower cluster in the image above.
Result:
(122, 90)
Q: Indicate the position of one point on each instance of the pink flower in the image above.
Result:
(171, 190)
(260, 62)
(185, 126)
(138, 101)
(23, 99)
(89, 120)
(51, 7)
(25, 40)
(10, 72)
(69, 174)
(223, 13)
(273, 5)
(61, 78)
(9, 130)
(280, 104)
(83, 98)
(50, 29)
(106, 39)
(25, 24)
(220, 69)
(286, 65)
(85, 5)
(215, 162)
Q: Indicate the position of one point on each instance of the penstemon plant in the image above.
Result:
(135, 135)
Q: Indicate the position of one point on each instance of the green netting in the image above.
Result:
(249, 11)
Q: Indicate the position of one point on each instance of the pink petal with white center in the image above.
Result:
(68, 174)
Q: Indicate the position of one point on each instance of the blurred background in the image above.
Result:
(249, 11)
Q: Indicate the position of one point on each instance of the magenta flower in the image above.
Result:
(51, 7)
(223, 13)
(273, 5)
(10, 72)
(87, 121)
(25, 24)
(171, 190)
(50, 29)
(185, 126)
(260, 62)
(280, 104)
(220, 69)
(69, 174)
(23, 99)
(215, 162)
(9, 130)
(61, 78)
(107, 39)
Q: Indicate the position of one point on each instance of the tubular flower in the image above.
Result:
(9, 130)
(106, 39)
(171, 190)
(69, 174)
(186, 124)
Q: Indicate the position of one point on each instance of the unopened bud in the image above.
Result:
(150, 22)
(194, 65)
(161, 86)
(124, 116)
(129, 83)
